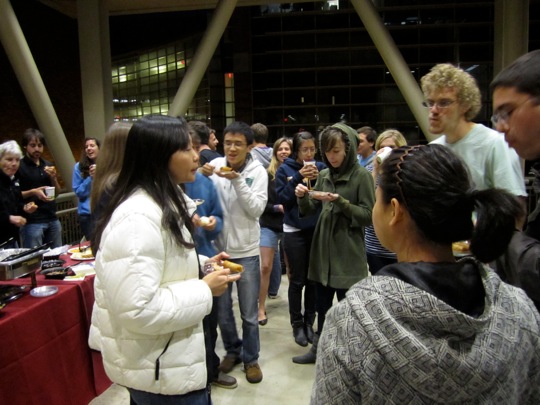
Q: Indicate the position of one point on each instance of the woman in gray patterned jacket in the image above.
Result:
(431, 329)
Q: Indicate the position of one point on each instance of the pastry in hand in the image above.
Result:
(233, 267)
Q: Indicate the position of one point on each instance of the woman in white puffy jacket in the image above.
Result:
(150, 302)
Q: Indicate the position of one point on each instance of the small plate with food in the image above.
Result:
(87, 255)
(461, 248)
(79, 249)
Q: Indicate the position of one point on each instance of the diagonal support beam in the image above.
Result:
(203, 56)
(25, 68)
(394, 62)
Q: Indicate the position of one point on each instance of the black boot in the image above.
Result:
(311, 356)
(300, 335)
(309, 333)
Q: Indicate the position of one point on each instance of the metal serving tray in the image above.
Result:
(19, 267)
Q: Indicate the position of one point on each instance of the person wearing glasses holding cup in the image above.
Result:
(453, 100)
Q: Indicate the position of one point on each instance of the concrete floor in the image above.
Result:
(283, 382)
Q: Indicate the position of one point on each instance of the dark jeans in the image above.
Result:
(87, 226)
(210, 324)
(325, 298)
(376, 262)
(297, 247)
(201, 397)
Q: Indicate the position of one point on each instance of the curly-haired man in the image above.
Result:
(453, 99)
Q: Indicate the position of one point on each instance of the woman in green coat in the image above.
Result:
(346, 191)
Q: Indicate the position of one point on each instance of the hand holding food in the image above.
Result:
(30, 207)
(219, 279)
(227, 172)
(51, 171)
(17, 220)
(233, 267)
(323, 195)
(300, 190)
(207, 169)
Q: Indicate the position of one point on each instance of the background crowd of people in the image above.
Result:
(360, 219)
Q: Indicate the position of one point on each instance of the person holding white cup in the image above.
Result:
(83, 173)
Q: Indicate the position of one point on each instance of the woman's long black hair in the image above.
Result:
(151, 142)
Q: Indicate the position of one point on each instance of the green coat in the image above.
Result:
(338, 255)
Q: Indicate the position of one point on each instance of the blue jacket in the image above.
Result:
(287, 178)
(82, 188)
(204, 189)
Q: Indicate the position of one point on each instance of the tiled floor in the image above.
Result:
(284, 382)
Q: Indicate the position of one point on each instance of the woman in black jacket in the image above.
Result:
(12, 208)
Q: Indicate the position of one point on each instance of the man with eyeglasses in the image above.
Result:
(516, 113)
(241, 183)
(453, 100)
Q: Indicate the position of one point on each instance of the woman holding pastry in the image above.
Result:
(150, 302)
(346, 193)
(12, 207)
(299, 168)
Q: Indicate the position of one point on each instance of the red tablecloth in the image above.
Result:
(44, 353)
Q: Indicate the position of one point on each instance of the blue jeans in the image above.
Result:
(37, 234)
(248, 299)
(201, 397)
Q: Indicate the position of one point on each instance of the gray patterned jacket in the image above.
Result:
(389, 342)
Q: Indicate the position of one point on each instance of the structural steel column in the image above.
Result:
(511, 32)
(394, 62)
(27, 73)
(201, 59)
(95, 57)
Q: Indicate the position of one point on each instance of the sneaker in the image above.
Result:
(225, 381)
(253, 373)
(272, 296)
(228, 363)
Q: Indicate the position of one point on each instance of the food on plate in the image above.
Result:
(462, 246)
(82, 249)
(83, 255)
(225, 169)
(318, 194)
(233, 267)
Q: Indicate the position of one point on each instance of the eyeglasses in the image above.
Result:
(502, 117)
(307, 150)
(441, 104)
(237, 145)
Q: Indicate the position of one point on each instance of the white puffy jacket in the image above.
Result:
(148, 293)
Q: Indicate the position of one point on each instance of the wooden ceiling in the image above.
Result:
(123, 7)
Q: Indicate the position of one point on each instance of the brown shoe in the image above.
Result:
(228, 363)
(253, 373)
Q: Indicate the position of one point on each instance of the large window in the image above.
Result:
(147, 83)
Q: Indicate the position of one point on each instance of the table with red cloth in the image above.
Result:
(44, 353)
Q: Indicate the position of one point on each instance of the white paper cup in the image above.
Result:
(50, 192)
(309, 162)
(383, 154)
